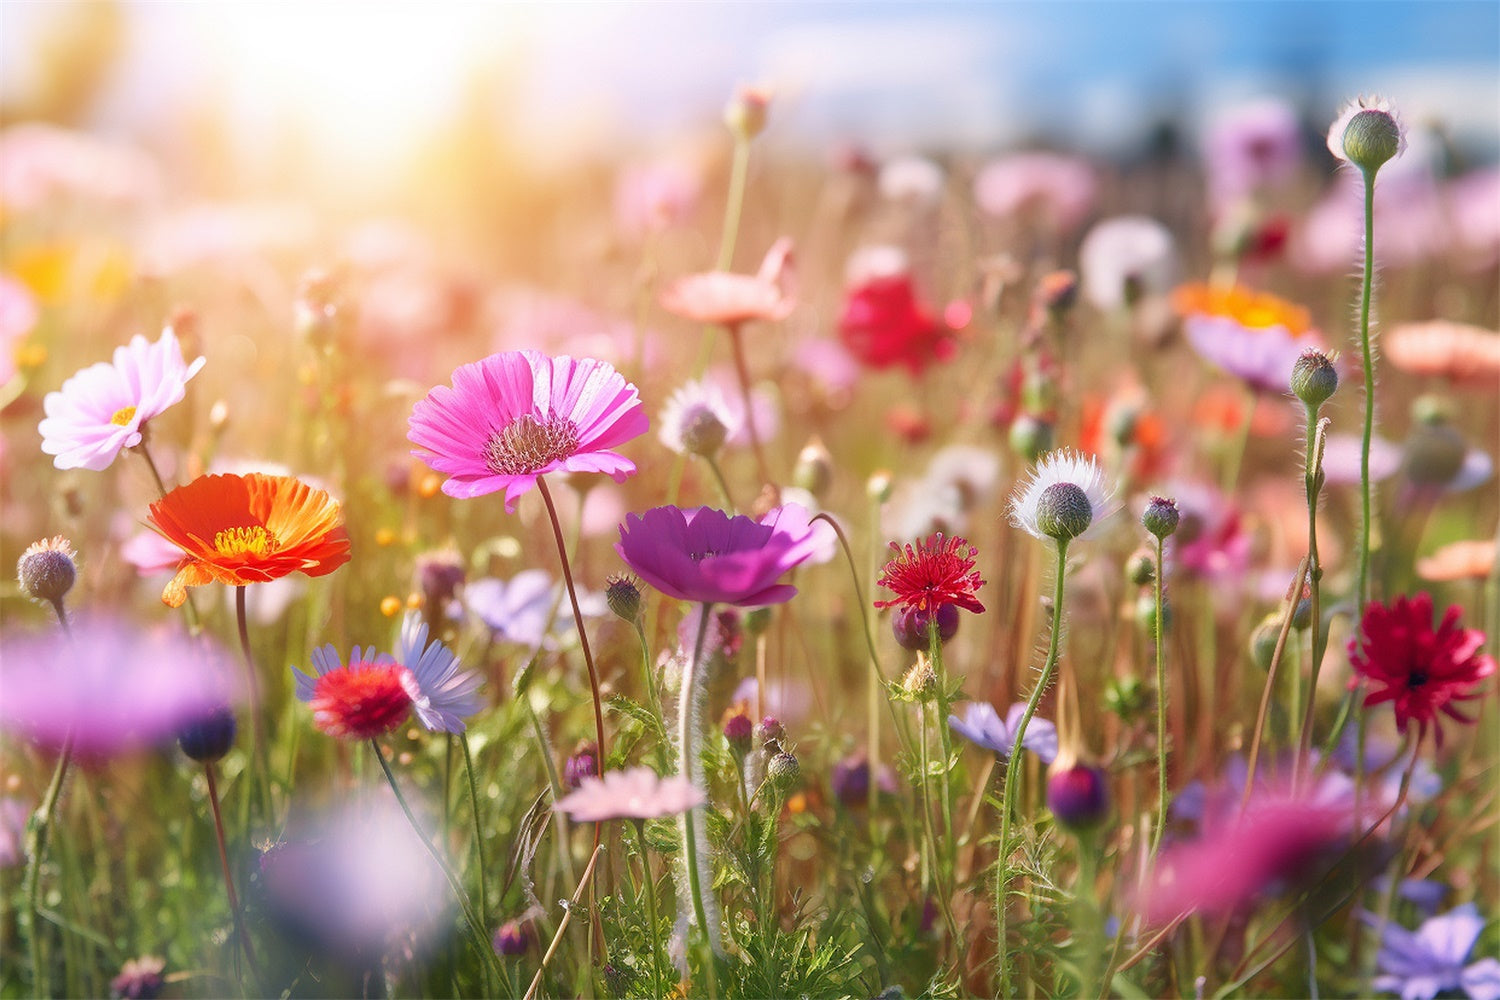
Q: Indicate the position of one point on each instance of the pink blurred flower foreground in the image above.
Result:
(708, 556)
(517, 415)
(115, 687)
(635, 793)
(104, 407)
(1281, 838)
(734, 299)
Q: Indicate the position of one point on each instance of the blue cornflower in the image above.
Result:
(983, 725)
(1421, 964)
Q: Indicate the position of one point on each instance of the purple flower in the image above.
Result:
(1252, 148)
(103, 408)
(636, 793)
(531, 610)
(981, 724)
(518, 415)
(115, 687)
(708, 556)
(1421, 964)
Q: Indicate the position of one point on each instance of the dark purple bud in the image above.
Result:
(1078, 797)
(850, 779)
(208, 738)
(583, 763)
(511, 939)
(911, 625)
(740, 732)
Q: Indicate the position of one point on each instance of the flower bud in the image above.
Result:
(1030, 437)
(1263, 641)
(1064, 512)
(1314, 378)
(783, 772)
(1145, 614)
(1125, 697)
(1302, 614)
(814, 469)
(746, 113)
(47, 570)
(879, 486)
(1433, 454)
(1161, 517)
(756, 621)
(1371, 138)
(623, 597)
(850, 780)
(769, 729)
(1140, 568)
(582, 763)
(208, 738)
(911, 625)
(739, 731)
(703, 433)
(1078, 797)
(510, 939)
(920, 682)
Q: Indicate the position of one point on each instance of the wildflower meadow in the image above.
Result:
(738, 570)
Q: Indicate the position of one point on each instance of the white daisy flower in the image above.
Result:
(698, 419)
(1067, 496)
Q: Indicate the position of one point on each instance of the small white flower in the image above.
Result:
(698, 419)
(1067, 496)
(1126, 257)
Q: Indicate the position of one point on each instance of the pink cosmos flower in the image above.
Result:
(653, 196)
(1280, 838)
(102, 409)
(1061, 189)
(115, 687)
(1253, 147)
(18, 316)
(635, 793)
(727, 299)
(706, 555)
(518, 415)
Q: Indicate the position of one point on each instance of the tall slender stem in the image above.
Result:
(734, 203)
(252, 690)
(1362, 587)
(36, 852)
(484, 901)
(686, 746)
(742, 372)
(588, 873)
(1160, 627)
(1315, 431)
(1002, 867)
(240, 930)
(657, 983)
(945, 744)
(583, 636)
(481, 939)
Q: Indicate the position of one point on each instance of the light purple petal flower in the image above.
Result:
(114, 686)
(981, 724)
(517, 415)
(636, 793)
(102, 408)
(531, 609)
(1422, 963)
(449, 693)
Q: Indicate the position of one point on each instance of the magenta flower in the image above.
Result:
(635, 793)
(708, 556)
(518, 415)
(104, 407)
(115, 687)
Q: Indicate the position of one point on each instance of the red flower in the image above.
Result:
(884, 325)
(1421, 671)
(932, 573)
(364, 700)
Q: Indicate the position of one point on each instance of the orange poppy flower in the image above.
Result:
(248, 529)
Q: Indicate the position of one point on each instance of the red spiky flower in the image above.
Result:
(934, 572)
(1422, 671)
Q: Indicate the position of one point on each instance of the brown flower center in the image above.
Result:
(527, 445)
(254, 540)
(123, 416)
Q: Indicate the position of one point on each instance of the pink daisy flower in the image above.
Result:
(518, 415)
(727, 299)
(104, 407)
(635, 793)
(708, 556)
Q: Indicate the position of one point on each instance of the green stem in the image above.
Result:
(651, 691)
(544, 749)
(949, 856)
(686, 745)
(257, 721)
(734, 203)
(1362, 589)
(658, 984)
(36, 852)
(484, 902)
(241, 931)
(713, 466)
(1161, 703)
(1312, 482)
(481, 939)
(1002, 875)
(742, 373)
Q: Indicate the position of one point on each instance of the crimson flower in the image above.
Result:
(932, 573)
(884, 325)
(1420, 670)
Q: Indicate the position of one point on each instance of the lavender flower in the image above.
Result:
(983, 725)
(1421, 964)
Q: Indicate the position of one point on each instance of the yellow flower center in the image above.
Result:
(123, 416)
(254, 540)
(1250, 309)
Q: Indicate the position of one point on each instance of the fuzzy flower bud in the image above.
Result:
(1161, 516)
(1367, 133)
(783, 772)
(1030, 437)
(814, 469)
(739, 731)
(769, 730)
(703, 433)
(623, 596)
(46, 569)
(1078, 796)
(1263, 641)
(582, 763)
(1140, 569)
(911, 625)
(1064, 511)
(1433, 454)
(1314, 378)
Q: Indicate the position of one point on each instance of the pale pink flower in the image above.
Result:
(18, 316)
(103, 408)
(1251, 148)
(43, 163)
(1126, 257)
(635, 793)
(727, 299)
(915, 180)
(653, 196)
(1059, 189)
(518, 415)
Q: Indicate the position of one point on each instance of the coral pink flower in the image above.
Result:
(706, 555)
(636, 793)
(1467, 560)
(518, 415)
(1459, 352)
(884, 323)
(1421, 671)
(104, 407)
(932, 573)
(727, 299)
(1278, 840)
